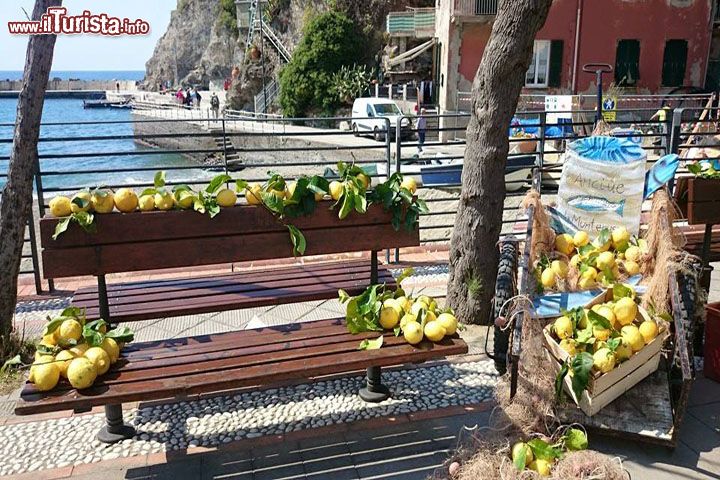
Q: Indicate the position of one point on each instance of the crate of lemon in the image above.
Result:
(75, 351)
(605, 348)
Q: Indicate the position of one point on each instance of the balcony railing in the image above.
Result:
(417, 22)
(476, 7)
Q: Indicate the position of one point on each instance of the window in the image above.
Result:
(556, 63)
(674, 63)
(537, 74)
(627, 62)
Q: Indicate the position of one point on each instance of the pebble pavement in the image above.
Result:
(210, 422)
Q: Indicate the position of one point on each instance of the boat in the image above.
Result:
(105, 103)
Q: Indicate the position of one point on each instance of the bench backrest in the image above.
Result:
(157, 240)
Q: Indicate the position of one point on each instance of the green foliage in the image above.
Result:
(273, 7)
(705, 168)
(227, 17)
(350, 82)
(330, 41)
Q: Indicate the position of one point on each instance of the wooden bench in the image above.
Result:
(176, 368)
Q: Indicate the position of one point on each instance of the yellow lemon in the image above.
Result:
(50, 339)
(623, 351)
(581, 238)
(395, 305)
(547, 278)
(589, 272)
(649, 330)
(63, 360)
(336, 189)
(604, 360)
(434, 331)
(112, 349)
(226, 198)
(290, 189)
(99, 358)
(563, 327)
(389, 318)
(79, 350)
(40, 359)
(606, 312)
(449, 323)
(633, 253)
(69, 330)
(620, 236)
(625, 311)
(521, 448)
(126, 200)
(601, 247)
(413, 332)
(429, 316)
(164, 201)
(575, 260)
(632, 268)
(103, 201)
(569, 345)
(407, 318)
(564, 244)
(417, 307)
(81, 373)
(542, 467)
(253, 194)
(601, 334)
(424, 299)
(643, 246)
(365, 180)
(409, 183)
(146, 203)
(605, 260)
(60, 206)
(81, 202)
(279, 194)
(586, 283)
(634, 338)
(183, 198)
(46, 376)
(404, 302)
(560, 268)
(582, 322)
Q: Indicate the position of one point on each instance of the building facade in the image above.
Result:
(654, 46)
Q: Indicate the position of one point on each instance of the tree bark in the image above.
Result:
(16, 201)
(497, 85)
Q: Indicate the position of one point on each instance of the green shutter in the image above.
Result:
(627, 62)
(674, 63)
(556, 63)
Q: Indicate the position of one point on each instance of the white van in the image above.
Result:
(369, 114)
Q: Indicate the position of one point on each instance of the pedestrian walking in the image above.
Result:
(421, 126)
(215, 105)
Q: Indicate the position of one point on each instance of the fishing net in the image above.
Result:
(543, 237)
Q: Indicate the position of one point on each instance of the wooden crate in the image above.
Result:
(604, 388)
(699, 199)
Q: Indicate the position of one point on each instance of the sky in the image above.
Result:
(90, 52)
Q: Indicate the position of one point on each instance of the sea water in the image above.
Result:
(75, 120)
(81, 74)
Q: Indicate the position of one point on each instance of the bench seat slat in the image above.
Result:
(162, 382)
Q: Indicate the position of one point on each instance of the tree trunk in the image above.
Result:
(16, 202)
(497, 85)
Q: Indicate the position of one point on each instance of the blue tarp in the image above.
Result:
(532, 126)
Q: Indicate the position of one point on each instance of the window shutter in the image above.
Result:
(556, 63)
(627, 62)
(674, 63)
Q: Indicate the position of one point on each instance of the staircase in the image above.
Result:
(264, 99)
(232, 156)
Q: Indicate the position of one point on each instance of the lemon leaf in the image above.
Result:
(53, 325)
(217, 182)
(397, 331)
(542, 450)
(159, 180)
(14, 361)
(240, 184)
(61, 227)
(581, 365)
(597, 319)
(622, 291)
(575, 439)
(121, 334)
(348, 202)
(343, 296)
(408, 272)
(559, 378)
(520, 460)
(298, 240)
(92, 337)
(613, 343)
(371, 344)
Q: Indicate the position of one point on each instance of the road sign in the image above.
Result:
(608, 105)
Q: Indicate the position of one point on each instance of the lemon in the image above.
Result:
(79, 350)
(63, 359)
(99, 358)
(582, 323)
(81, 202)
(620, 236)
(632, 268)
(40, 359)
(563, 327)
(601, 334)
(433, 306)
(449, 323)
(252, 194)
(389, 318)
(569, 345)
(409, 183)
(601, 247)
(633, 253)
(164, 201)
(429, 316)
(146, 203)
(649, 330)
(226, 198)
(184, 199)
(643, 246)
(605, 260)
(125, 200)
(103, 201)
(604, 360)
(623, 351)
(417, 307)
(336, 189)
(46, 376)
(290, 189)
(81, 373)
(69, 330)
(413, 332)
(518, 449)
(564, 244)
(589, 272)
(407, 318)
(560, 268)
(60, 206)
(50, 339)
(606, 312)
(395, 305)
(581, 238)
(542, 467)
(625, 311)
(365, 180)
(424, 299)
(547, 278)
(586, 283)
(632, 335)
(404, 302)
(575, 260)
(434, 331)
(112, 349)
(279, 194)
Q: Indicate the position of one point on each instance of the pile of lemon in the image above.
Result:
(596, 263)
(417, 318)
(629, 332)
(63, 353)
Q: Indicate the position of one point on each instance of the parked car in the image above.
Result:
(369, 114)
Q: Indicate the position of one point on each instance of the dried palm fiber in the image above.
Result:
(664, 246)
(543, 237)
(601, 128)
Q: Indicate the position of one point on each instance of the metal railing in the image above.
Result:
(417, 22)
(193, 148)
(476, 7)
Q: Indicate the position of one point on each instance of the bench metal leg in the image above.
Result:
(374, 391)
(373, 267)
(115, 429)
(103, 301)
